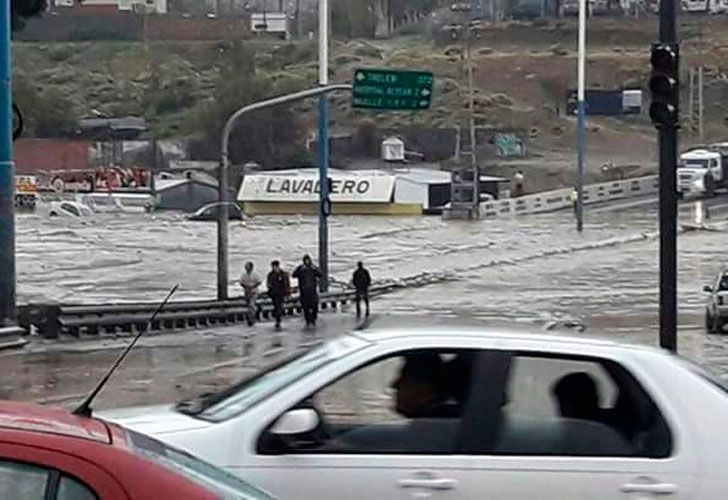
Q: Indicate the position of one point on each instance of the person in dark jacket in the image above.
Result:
(308, 277)
(278, 289)
(361, 280)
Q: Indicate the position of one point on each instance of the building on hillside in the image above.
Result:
(44, 155)
(139, 6)
(187, 192)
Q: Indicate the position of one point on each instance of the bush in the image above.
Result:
(60, 53)
(411, 29)
(368, 51)
(344, 59)
(48, 113)
(293, 54)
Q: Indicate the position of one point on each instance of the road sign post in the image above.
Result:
(392, 89)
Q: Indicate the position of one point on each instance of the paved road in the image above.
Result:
(161, 369)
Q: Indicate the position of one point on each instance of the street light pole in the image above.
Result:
(222, 221)
(323, 146)
(7, 216)
(580, 107)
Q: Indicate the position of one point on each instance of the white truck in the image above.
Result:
(701, 171)
(710, 6)
(269, 23)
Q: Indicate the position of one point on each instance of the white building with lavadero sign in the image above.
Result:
(392, 191)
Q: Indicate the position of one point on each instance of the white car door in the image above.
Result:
(372, 452)
(626, 449)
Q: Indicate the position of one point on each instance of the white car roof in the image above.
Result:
(504, 338)
(700, 153)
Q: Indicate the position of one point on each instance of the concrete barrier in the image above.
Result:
(560, 199)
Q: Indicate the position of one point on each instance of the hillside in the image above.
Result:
(522, 72)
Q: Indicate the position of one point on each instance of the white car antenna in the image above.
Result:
(84, 409)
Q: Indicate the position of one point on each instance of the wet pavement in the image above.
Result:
(533, 271)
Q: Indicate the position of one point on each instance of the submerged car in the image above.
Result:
(462, 413)
(211, 212)
(69, 209)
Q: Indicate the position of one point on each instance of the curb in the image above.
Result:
(12, 337)
(13, 344)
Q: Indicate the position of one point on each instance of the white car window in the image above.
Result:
(242, 396)
(22, 481)
(411, 402)
(578, 407)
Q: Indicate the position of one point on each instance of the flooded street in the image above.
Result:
(532, 271)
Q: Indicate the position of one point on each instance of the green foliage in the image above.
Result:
(269, 137)
(293, 53)
(368, 51)
(61, 53)
(47, 113)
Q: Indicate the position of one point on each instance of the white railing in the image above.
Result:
(549, 201)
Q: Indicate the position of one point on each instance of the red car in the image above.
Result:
(50, 454)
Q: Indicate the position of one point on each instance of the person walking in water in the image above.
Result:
(574, 197)
(517, 184)
(278, 289)
(250, 282)
(308, 277)
(361, 280)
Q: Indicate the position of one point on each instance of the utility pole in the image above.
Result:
(701, 106)
(471, 122)
(323, 143)
(7, 178)
(664, 112)
(580, 112)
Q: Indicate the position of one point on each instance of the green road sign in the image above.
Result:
(392, 89)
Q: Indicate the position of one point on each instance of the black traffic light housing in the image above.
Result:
(665, 84)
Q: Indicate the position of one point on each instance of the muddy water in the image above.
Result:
(534, 271)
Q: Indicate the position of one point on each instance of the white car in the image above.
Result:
(69, 209)
(716, 311)
(471, 414)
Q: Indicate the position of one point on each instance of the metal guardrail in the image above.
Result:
(53, 320)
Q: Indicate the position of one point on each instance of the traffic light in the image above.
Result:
(665, 84)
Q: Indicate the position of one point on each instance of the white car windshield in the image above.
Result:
(213, 478)
(240, 397)
(695, 163)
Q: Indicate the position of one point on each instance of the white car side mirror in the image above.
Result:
(297, 421)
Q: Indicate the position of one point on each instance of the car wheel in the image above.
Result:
(718, 324)
(53, 214)
(708, 322)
